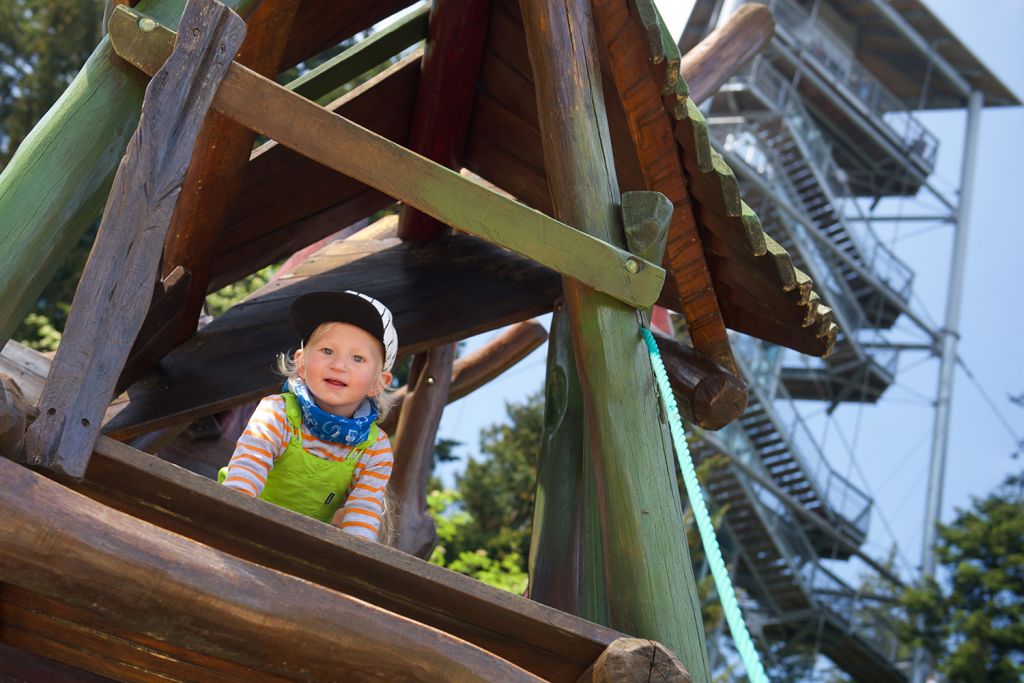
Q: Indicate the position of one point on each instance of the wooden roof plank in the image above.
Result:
(637, 92)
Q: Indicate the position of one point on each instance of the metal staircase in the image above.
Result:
(779, 558)
(784, 160)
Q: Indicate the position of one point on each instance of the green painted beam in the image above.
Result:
(267, 108)
(651, 591)
(322, 82)
(57, 183)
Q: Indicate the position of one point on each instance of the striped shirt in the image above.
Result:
(266, 437)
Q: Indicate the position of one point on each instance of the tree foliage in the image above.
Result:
(971, 620)
(43, 44)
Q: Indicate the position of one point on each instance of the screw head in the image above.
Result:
(632, 266)
(429, 380)
(146, 24)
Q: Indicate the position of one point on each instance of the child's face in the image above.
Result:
(341, 366)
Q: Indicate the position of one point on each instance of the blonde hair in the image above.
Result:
(384, 397)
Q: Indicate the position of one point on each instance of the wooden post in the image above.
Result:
(555, 549)
(58, 180)
(117, 284)
(417, 431)
(651, 591)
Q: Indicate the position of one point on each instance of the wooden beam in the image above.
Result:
(322, 24)
(651, 591)
(321, 83)
(117, 284)
(55, 186)
(427, 186)
(439, 293)
(64, 546)
(726, 50)
(707, 394)
(444, 98)
(211, 185)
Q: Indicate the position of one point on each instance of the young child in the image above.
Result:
(315, 448)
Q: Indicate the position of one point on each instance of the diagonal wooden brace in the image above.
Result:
(117, 285)
(269, 109)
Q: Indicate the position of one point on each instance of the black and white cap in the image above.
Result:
(311, 310)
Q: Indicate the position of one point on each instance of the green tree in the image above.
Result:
(971, 620)
(43, 44)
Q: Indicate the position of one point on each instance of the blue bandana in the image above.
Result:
(347, 431)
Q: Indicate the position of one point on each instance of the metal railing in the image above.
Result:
(859, 84)
(759, 363)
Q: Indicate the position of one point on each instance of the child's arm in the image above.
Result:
(364, 506)
(264, 439)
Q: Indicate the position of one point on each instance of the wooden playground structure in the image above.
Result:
(562, 142)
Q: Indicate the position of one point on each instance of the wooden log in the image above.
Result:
(632, 660)
(64, 546)
(556, 541)
(211, 185)
(726, 50)
(12, 420)
(707, 394)
(27, 367)
(439, 293)
(414, 450)
(56, 184)
(21, 665)
(117, 284)
(427, 186)
(552, 644)
(651, 591)
(477, 368)
(444, 98)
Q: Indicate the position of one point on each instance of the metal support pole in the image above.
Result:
(949, 336)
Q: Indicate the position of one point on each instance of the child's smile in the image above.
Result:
(341, 366)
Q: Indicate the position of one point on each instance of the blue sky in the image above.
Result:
(884, 449)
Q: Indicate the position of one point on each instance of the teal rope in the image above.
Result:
(733, 615)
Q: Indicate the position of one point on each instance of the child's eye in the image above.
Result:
(327, 352)
(357, 358)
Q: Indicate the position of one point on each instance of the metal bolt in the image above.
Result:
(429, 380)
(632, 266)
(146, 24)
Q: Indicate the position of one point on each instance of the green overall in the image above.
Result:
(301, 481)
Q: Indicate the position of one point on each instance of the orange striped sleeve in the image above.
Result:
(262, 441)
